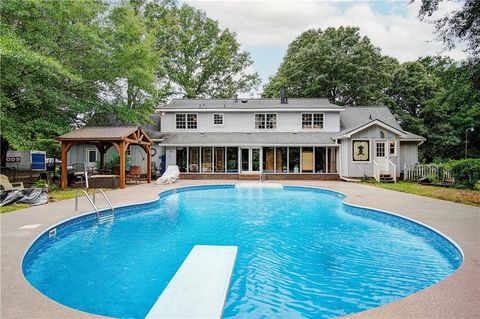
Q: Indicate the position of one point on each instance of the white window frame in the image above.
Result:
(221, 116)
(265, 121)
(185, 121)
(312, 121)
(377, 143)
(394, 148)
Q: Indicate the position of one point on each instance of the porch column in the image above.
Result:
(122, 164)
(149, 163)
(64, 170)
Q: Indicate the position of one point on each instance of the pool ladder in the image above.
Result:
(102, 217)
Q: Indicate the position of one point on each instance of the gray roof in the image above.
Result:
(357, 116)
(248, 104)
(254, 138)
(99, 133)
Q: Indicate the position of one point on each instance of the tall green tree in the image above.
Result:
(198, 59)
(460, 25)
(337, 64)
(63, 62)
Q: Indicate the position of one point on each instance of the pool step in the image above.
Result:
(199, 287)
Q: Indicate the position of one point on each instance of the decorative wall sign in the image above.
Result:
(361, 151)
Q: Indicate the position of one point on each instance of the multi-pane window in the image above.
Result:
(218, 119)
(186, 121)
(266, 121)
(381, 149)
(312, 120)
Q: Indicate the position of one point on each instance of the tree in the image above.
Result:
(459, 25)
(337, 64)
(198, 59)
(65, 61)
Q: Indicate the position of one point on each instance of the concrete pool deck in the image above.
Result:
(457, 296)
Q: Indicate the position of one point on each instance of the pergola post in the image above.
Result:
(149, 163)
(122, 164)
(64, 170)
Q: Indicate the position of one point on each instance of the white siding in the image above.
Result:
(408, 154)
(245, 122)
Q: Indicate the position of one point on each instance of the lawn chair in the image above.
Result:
(7, 186)
(134, 173)
(170, 176)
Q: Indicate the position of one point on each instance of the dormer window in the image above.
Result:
(312, 120)
(265, 121)
(218, 119)
(186, 121)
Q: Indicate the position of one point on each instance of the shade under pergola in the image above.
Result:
(103, 138)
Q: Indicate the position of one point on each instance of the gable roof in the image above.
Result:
(248, 104)
(102, 133)
(356, 118)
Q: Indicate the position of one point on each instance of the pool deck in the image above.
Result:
(457, 296)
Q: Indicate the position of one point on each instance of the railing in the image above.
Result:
(101, 218)
(432, 171)
(390, 164)
(376, 171)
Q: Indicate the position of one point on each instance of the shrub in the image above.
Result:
(465, 172)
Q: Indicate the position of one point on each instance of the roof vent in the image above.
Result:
(370, 117)
(244, 101)
(283, 95)
(236, 98)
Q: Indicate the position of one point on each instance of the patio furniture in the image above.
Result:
(104, 181)
(134, 173)
(170, 176)
(7, 186)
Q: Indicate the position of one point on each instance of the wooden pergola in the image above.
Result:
(103, 138)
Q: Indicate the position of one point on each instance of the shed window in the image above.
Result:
(380, 149)
(392, 147)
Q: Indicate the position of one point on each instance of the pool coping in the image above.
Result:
(469, 256)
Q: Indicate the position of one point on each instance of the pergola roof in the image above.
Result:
(104, 133)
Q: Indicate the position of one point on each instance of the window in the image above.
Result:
(320, 160)
(266, 121)
(92, 156)
(218, 119)
(312, 120)
(194, 160)
(181, 121)
(182, 159)
(219, 159)
(392, 147)
(294, 159)
(186, 121)
(332, 160)
(206, 159)
(307, 159)
(232, 159)
(268, 159)
(380, 149)
(128, 151)
(282, 161)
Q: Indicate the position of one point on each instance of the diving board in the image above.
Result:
(199, 287)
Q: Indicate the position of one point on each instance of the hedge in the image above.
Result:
(466, 172)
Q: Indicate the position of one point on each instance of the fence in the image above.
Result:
(436, 173)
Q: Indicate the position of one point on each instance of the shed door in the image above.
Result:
(381, 156)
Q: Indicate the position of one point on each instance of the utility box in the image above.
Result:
(27, 160)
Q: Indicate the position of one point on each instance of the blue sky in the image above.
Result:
(265, 28)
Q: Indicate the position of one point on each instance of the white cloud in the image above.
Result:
(277, 23)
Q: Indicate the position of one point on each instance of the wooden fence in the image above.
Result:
(436, 173)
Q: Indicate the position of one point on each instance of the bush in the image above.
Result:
(465, 172)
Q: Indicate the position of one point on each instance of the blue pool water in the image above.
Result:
(302, 253)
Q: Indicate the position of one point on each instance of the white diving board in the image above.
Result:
(199, 287)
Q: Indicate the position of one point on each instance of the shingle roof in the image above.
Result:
(99, 133)
(249, 104)
(256, 138)
(357, 116)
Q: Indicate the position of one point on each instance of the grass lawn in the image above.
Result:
(464, 196)
(53, 196)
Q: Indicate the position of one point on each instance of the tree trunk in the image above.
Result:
(3, 149)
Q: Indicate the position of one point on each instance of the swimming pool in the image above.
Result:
(302, 253)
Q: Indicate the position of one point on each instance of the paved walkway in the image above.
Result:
(458, 296)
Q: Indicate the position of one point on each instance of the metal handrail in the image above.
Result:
(104, 196)
(88, 197)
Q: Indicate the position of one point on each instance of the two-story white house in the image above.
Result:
(279, 138)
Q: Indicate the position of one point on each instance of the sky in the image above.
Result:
(265, 28)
